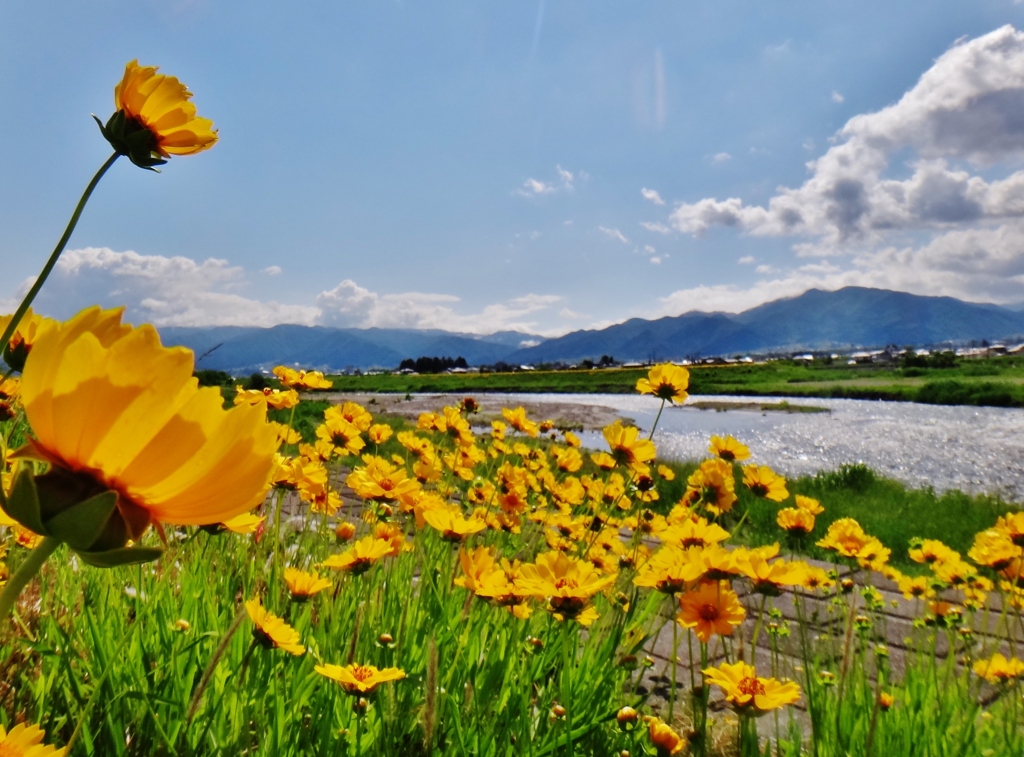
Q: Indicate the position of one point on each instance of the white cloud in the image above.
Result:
(837, 98)
(961, 116)
(652, 196)
(175, 291)
(349, 305)
(721, 157)
(565, 182)
(656, 260)
(533, 187)
(656, 227)
(179, 291)
(746, 260)
(649, 250)
(272, 270)
(614, 234)
(764, 268)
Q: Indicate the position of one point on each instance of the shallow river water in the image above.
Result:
(975, 449)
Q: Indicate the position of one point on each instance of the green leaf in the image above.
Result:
(81, 525)
(113, 558)
(23, 502)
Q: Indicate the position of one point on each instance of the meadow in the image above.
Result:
(997, 381)
(186, 571)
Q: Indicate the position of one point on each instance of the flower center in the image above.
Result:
(361, 673)
(708, 612)
(751, 687)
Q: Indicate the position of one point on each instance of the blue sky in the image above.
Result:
(542, 166)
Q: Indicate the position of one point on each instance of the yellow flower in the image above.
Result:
(885, 701)
(352, 412)
(932, 552)
(272, 631)
(670, 569)
(747, 693)
(693, 532)
(809, 505)
(379, 433)
(1012, 524)
(627, 448)
(712, 608)
(452, 524)
(728, 449)
(666, 741)
(915, 588)
(994, 549)
(795, 520)
(111, 409)
(302, 379)
(770, 578)
(359, 679)
(667, 382)
(711, 486)
(666, 473)
(361, 556)
(24, 741)
(764, 482)
(603, 460)
(998, 669)
(264, 398)
(566, 584)
(155, 118)
(345, 530)
(246, 523)
(303, 585)
(342, 434)
(381, 481)
(844, 536)
(517, 419)
(23, 339)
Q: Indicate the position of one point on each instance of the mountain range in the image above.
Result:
(853, 317)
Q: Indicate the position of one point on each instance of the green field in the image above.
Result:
(990, 381)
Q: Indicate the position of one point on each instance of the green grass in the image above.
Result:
(991, 381)
(885, 508)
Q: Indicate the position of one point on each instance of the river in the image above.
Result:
(974, 449)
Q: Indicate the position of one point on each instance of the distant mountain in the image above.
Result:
(844, 319)
(240, 350)
(850, 317)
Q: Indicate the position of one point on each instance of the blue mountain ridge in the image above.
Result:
(843, 319)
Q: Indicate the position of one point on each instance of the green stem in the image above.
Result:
(567, 664)
(656, 419)
(41, 279)
(26, 572)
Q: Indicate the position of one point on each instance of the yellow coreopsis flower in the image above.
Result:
(711, 486)
(359, 679)
(246, 523)
(667, 382)
(25, 741)
(764, 482)
(566, 584)
(302, 379)
(517, 419)
(998, 669)
(352, 412)
(670, 570)
(665, 740)
(17, 349)
(795, 520)
(452, 524)
(809, 505)
(361, 556)
(749, 694)
(932, 552)
(155, 119)
(379, 433)
(272, 631)
(112, 410)
(272, 398)
(627, 448)
(728, 449)
(712, 608)
(304, 585)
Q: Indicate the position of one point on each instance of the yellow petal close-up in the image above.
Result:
(109, 401)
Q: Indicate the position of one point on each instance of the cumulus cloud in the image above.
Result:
(349, 305)
(179, 291)
(165, 291)
(721, 157)
(614, 234)
(652, 196)
(272, 270)
(746, 260)
(962, 116)
(837, 98)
